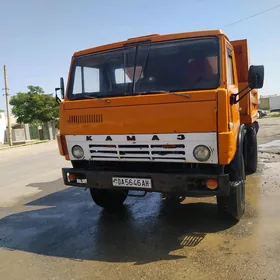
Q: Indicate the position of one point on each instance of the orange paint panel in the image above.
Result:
(249, 104)
(62, 146)
(223, 118)
(59, 144)
(227, 147)
(177, 117)
(242, 60)
(254, 105)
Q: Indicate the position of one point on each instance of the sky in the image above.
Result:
(38, 37)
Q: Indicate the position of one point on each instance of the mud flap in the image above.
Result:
(233, 206)
(237, 200)
(236, 167)
(256, 126)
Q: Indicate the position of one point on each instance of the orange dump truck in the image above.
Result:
(174, 114)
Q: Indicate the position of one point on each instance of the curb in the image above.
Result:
(23, 145)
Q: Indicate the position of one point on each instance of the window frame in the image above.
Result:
(229, 59)
(83, 77)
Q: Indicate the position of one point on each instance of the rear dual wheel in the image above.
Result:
(252, 150)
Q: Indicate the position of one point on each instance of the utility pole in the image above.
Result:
(9, 134)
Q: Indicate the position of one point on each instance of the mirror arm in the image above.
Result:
(57, 99)
(233, 97)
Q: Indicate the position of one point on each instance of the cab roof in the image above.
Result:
(151, 37)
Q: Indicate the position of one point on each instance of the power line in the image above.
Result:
(257, 14)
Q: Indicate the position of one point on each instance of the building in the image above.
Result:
(270, 102)
(264, 103)
(274, 102)
(20, 133)
(2, 126)
(23, 133)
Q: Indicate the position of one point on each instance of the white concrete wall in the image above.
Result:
(2, 127)
(274, 102)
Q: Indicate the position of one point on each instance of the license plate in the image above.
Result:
(132, 182)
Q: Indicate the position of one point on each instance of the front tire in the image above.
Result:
(111, 200)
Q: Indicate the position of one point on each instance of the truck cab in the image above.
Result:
(175, 114)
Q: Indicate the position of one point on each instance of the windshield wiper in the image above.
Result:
(179, 94)
(93, 97)
(97, 97)
(168, 92)
(144, 66)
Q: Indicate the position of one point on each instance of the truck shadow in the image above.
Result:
(72, 226)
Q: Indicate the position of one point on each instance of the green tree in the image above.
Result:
(34, 106)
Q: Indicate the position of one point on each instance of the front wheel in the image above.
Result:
(111, 200)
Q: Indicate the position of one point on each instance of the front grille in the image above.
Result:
(98, 118)
(138, 152)
(148, 166)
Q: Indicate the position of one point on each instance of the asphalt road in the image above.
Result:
(48, 231)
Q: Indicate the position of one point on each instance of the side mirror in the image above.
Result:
(256, 76)
(62, 90)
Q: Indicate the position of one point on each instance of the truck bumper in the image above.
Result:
(182, 184)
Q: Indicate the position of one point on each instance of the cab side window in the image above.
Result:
(229, 64)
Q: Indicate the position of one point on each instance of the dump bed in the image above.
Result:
(249, 104)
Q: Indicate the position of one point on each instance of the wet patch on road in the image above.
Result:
(71, 226)
(186, 237)
(270, 148)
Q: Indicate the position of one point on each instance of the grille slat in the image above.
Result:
(97, 118)
(100, 148)
(138, 159)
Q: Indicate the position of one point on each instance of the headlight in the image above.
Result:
(78, 152)
(201, 153)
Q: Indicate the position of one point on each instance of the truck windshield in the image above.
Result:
(178, 65)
